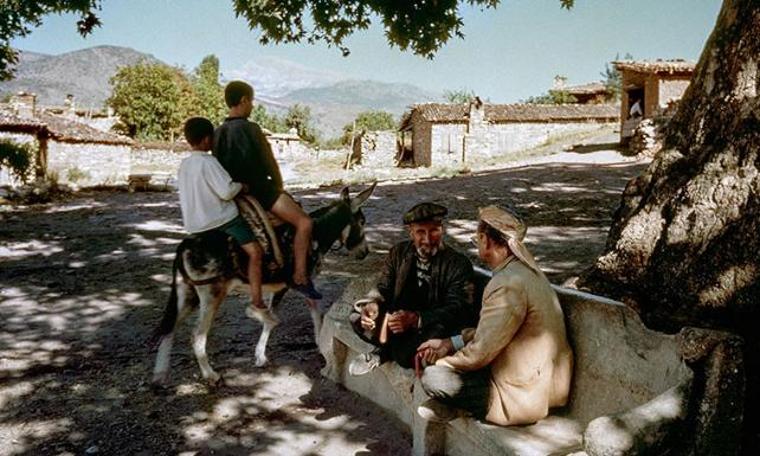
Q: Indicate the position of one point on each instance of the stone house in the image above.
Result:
(449, 133)
(287, 145)
(655, 85)
(75, 153)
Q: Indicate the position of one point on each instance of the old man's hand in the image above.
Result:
(435, 349)
(401, 320)
(369, 315)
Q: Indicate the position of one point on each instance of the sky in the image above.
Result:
(508, 54)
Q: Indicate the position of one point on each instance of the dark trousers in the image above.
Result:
(464, 390)
(400, 348)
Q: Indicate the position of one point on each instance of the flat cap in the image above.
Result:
(425, 212)
(505, 221)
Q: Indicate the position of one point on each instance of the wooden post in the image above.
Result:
(351, 147)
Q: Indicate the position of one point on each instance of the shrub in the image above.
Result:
(17, 158)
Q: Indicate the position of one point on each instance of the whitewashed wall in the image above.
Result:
(89, 164)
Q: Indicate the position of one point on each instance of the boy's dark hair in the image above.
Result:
(235, 91)
(197, 128)
(493, 234)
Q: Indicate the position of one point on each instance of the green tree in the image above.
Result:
(368, 121)
(556, 97)
(299, 117)
(151, 100)
(459, 96)
(271, 122)
(17, 158)
(209, 93)
(613, 80)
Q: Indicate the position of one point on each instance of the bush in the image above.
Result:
(17, 158)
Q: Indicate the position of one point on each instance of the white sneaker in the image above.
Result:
(435, 411)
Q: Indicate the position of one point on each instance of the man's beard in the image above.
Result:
(426, 253)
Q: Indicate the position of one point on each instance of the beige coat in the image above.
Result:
(521, 335)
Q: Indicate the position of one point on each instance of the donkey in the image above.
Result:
(210, 267)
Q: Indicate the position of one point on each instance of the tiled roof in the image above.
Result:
(441, 112)
(656, 66)
(586, 89)
(60, 129)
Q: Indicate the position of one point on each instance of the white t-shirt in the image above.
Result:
(206, 191)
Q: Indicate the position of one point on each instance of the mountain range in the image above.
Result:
(333, 98)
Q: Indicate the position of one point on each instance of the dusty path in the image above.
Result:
(83, 282)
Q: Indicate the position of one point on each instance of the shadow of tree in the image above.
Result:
(83, 283)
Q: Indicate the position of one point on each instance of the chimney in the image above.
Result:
(70, 106)
(24, 105)
(559, 82)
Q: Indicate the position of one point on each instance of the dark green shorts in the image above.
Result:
(239, 230)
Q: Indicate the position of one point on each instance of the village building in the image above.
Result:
(590, 93)
(650, 88)
(461, 132)
(287, 145)
(70, 151)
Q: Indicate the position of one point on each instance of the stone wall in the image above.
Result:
(150, 161)
(671, 90)
(503, 138)
(448, 140)
(89, 164)
(378, 148)
(290, 150)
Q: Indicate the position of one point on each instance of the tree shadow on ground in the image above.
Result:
(84, 283)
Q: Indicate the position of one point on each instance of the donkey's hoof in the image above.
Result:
(262, 315)
(261, 361)
(215, 380)
(160, 380)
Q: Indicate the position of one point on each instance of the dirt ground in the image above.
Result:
(83, 283)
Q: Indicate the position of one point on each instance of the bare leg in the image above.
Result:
(255, 255)
(288, 210)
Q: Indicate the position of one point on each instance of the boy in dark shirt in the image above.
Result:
(243, 150)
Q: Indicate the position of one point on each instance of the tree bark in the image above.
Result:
(685, 243)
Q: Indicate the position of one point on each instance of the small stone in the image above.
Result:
(92, 450)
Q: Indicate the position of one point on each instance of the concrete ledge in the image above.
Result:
(628, 379)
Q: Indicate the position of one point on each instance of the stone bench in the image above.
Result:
(634, 390)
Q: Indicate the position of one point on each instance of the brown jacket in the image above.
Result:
(521, 335)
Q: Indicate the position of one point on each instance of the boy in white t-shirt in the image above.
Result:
(206, 193)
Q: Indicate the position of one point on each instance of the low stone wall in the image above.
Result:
(499, 139)
(378, 148)
(147, 161)
(87, 165)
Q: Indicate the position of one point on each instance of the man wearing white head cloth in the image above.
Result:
(517, 363)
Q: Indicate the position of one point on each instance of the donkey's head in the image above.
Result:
(352, 236)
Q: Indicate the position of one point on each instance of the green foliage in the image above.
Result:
(459, 96)
(613, 80)
(299, 117)
(151, 100)
(74, 174)
(557, 97)
(368, 121)
(17, 158)
(209, 92)
(271, 122)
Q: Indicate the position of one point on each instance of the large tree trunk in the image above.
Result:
(685, 244)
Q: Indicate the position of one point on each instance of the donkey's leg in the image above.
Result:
(211, 296)
(316, 317)
(187, 300)
(268, 321)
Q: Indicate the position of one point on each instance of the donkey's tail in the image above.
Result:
(169, 320)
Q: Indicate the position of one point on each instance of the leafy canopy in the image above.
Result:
(368, 121)
(459, 96)
(420, 26)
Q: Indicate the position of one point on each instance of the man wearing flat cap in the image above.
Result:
(424, 291)
(516, 364)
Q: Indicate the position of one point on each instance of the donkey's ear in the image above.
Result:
(362, 197)
(344, 194)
